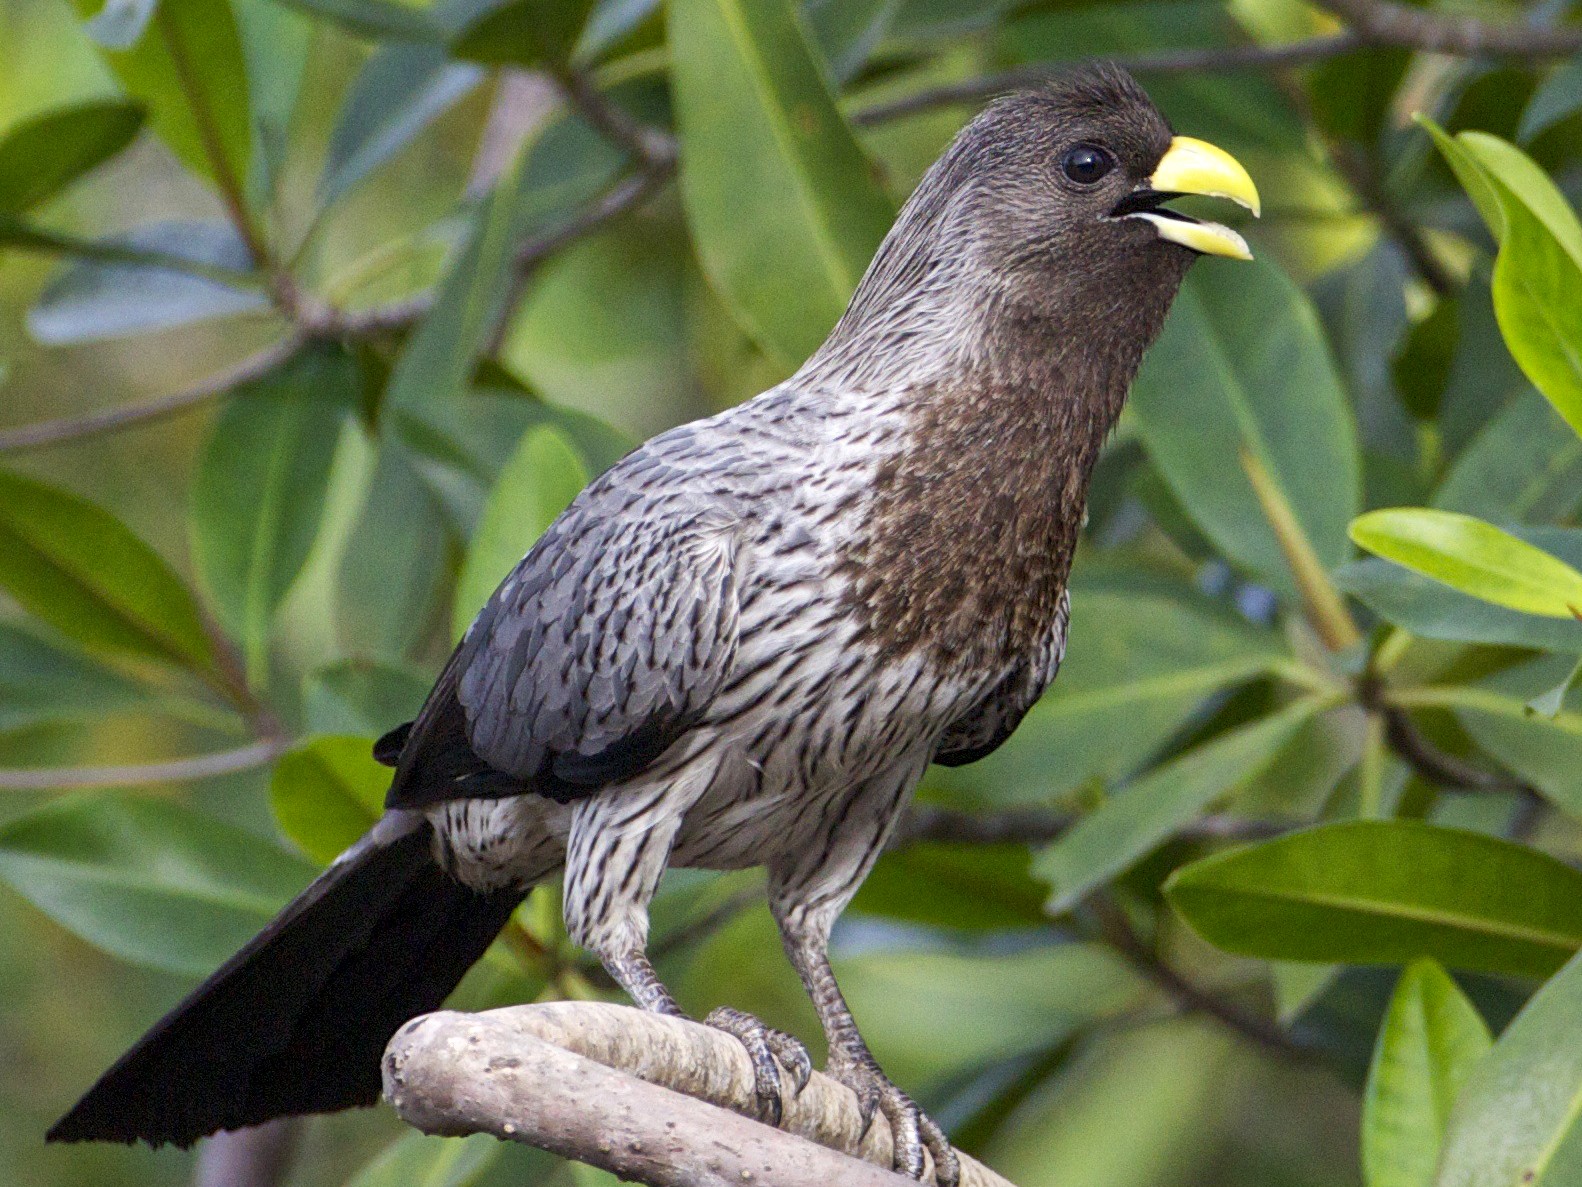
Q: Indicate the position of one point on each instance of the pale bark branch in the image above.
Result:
(658, 1100)
(178, 770)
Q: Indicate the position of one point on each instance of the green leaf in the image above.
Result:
(560, 171)
(1517, 177)
(1557, 98)
(188, 67)
(1474, 557)
(1431, 1040)
(328, 793)
(1137, 819)
(358, 696)
(1470, 173)
(41, 683)
(783, 205)
(1550, 702)
(537, 484)
(1544, 749)
(78, 568)
(385, 597)
(94, 299)
(968, 887)
(120, 23)
(1242, 368)
(1141, 659)
(1518, 1122)
(933, 1016)
(1435, 611)
(1382, 892)
(148, 881)
(400, 91)
(525, 33)
(376, 19)
(1538, 302)
(1525, 465)
(43, 156)
(258, 494)
(419, 1160)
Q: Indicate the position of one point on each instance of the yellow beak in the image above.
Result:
(1192, 166)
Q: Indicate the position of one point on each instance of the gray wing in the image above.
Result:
(995, 718)
(602, 647)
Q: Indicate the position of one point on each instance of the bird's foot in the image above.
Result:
(765, 1045)
(914, 1131)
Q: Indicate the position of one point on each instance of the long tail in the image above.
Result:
(296, 1022)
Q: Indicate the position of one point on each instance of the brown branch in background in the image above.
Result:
(646, 145)
(1117, 931)
(1183, 61)
(1434, 765)
(88, 424)
(659, 1100)
(1383, 22)
(1362, 173)
(224, 762)
(1040, 826)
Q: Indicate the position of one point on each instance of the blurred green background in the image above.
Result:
(467, 255)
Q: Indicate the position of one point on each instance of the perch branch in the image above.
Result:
(660, 1100)
(224, 762)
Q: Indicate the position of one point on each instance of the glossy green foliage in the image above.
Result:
(1431, 1040)
(315, 313)
(1382, 892)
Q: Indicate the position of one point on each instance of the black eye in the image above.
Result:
(1086, 163)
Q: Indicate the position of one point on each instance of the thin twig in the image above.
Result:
(1436, 766)
(1382, 22)
(644, 144)
(225, 762)
(1231, 57)
(72, 428)
(1118, 932)
(1039, 826)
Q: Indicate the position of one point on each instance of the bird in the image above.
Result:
(743, 644)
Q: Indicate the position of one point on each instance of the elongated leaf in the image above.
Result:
(1431, 1040)
(419, 1160)
(1526, 465)
(362, 697)
(400, 91)
(78, 568)
(782, 203)
(1558, 97)
(1545, 749)
(1141, 659)
(561, 170)
(120, 23)
(258, 494)
(1538, 301)
(378, 19)
(1382, 892)
(1518, 1122)
(385, 597)
(1473, 557)
(1515, 175)
(41, 683)
(524, 33)
(92, 300)
(328, 793)
(1242, 367)
(1137, 819)
(188, 67)
(537, 484)
(1428, 608)
(969, 887)
(148, 881)
(40, 158)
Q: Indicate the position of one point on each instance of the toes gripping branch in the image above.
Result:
(663, 1100)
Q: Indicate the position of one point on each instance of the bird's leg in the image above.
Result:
(611, 875)
(806, 938)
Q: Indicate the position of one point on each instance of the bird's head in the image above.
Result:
(1048, 210)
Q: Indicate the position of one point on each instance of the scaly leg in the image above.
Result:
(808, 891)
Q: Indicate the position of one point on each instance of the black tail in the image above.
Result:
(296, 1022)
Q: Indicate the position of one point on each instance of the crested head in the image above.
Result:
(1040, 225)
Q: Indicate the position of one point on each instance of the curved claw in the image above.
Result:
(768, 1049)
(912, 1129)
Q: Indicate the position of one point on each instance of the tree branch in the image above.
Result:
(224, 762)
(72, 428)
(1040, 826)
(1383, 22)
(660, 1100)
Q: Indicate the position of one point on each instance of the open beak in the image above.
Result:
(1192, 166)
